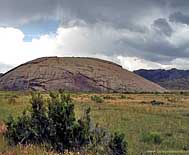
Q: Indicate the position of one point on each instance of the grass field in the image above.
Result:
(132, 114)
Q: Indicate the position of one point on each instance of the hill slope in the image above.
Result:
(74, 74)
(173, 79)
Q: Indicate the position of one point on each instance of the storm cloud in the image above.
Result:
(149, 31)
(179, 17)
(119, 13)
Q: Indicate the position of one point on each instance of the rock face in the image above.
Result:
(1, 74)
(173, 79)
(74, 74)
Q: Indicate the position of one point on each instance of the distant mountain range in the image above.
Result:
(173, 79)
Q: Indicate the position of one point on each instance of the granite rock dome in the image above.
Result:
(75, 74)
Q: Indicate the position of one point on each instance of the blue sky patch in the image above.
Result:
(37, 28)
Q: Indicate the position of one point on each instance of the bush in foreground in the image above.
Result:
(118, 145)
(54, 125)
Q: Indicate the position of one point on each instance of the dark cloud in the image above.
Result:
(179, 17)
(162, 26)
(120, 13)
(141, 28)
(152, 47)
(179, 3)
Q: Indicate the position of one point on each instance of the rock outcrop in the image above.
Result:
(75, 74)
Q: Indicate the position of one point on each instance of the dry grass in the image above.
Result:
(132, 115)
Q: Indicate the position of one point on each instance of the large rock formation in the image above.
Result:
(74, 74)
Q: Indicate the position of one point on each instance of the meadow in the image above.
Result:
(141, 117)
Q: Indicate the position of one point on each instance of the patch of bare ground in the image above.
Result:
(35, 150)
(3, 128)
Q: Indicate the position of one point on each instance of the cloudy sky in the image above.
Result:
(134, 33)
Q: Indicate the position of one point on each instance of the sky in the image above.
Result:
(136, 34)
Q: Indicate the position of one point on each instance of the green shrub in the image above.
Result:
(97, 99)
(118, 145)
(62, 122)
(53, 124)
(185, 147)
(39, 119)
(108, 144)
(31, 126)
(19, 131)
(152, 137)
(123, 97)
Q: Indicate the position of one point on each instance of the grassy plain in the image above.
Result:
(132, 114)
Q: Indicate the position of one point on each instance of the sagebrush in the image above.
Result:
(52, 122)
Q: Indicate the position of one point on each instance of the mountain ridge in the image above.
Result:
(173, 79)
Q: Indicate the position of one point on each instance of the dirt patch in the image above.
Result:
(3, 128)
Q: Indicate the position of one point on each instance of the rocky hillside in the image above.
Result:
(74, 74)
(1, 74)
(173, 79)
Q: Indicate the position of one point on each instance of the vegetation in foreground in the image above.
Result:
(56, 128)
(135, 116)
